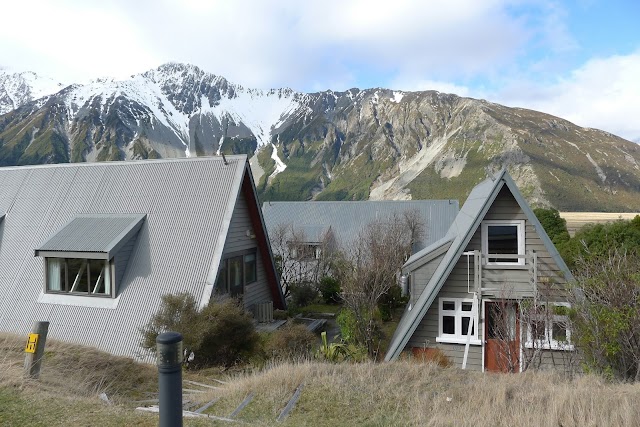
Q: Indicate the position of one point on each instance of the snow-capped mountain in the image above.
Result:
(17, 89)
(356, 144)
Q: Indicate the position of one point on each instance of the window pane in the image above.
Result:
(448, 324)
(448, 305)
(538, 329)
(97, 276)
(502, 239)
(77, 269)
(235, 267)
(250, 268)
(467, 306)
(559, 332)
(55, 274)
(221, 285)
(465, 326)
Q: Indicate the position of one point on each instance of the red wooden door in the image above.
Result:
(502, 332)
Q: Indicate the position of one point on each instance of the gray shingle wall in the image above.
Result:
(185, 202)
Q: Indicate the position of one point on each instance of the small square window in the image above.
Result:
(502, 238)
(449, 305)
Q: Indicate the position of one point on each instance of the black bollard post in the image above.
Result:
(169, 351)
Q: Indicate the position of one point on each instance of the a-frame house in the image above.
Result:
(491, 294)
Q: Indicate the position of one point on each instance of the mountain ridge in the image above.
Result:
(354, 144)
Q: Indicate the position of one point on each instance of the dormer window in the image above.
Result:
(87, 255)
(79, 276)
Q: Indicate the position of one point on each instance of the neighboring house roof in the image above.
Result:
(104, 234)
(460, 233)
(346, 218)
(182, 207)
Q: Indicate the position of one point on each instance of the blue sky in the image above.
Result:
(578, 59)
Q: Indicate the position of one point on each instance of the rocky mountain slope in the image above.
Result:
(357, 144)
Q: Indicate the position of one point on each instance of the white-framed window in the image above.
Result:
(78, 276)
(503, 238)
(550, 329)
(454, 316)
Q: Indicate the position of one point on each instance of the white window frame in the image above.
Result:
(519, 223)
(548, 342)
(460, 336)
(70, 285)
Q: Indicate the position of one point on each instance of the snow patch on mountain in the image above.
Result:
(258, 111)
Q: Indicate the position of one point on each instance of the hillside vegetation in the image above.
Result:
(398, 393)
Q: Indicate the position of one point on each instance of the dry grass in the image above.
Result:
(399, 393)
(577, 220)
(407, 393)
(71, 380)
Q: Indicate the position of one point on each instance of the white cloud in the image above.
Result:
(266, 44)
(603, 93)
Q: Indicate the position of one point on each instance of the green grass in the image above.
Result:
(320, 308)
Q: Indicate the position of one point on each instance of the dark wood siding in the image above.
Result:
(238, 241)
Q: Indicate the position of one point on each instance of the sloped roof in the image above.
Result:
(188, 205)
(462, 229)
(346, 218)
(94, 233)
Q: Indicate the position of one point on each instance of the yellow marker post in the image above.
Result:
(34, 350)
(32, 343)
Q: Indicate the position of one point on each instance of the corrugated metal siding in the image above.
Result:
(347, 218)
(184, 200)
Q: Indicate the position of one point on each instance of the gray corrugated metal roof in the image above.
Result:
(346, 219)
(465, 225)
(94, 233)
(185, 201)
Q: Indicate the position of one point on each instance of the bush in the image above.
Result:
(303, 294)
(330, 290)
(292, 342)
(221, 334)
(347, 322)
(605, 313)
(389, 301)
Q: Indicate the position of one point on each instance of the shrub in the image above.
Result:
(330, 290)
(346, 320)
(303, 294)
(292, 342)
(221, 334)
(389, 301)
(605, 313)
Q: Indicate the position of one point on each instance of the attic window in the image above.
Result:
(501, 238)
(80, 257)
